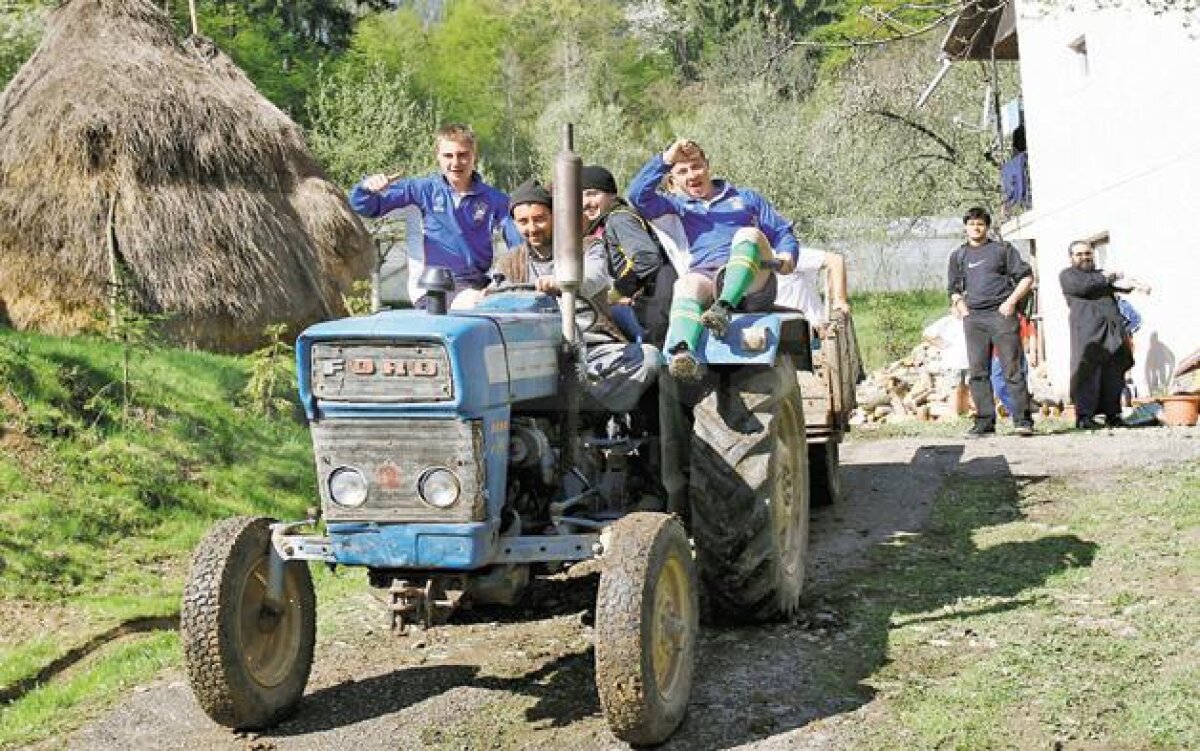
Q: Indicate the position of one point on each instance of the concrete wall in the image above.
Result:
(1114, 149)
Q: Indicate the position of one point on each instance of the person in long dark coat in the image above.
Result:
(1099, 352)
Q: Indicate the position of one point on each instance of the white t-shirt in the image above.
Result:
(800, 290)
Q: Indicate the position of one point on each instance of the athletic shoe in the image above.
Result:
(980, 430)
(1114, 422)
(1024, 431)
(716, 318)
(684, 366)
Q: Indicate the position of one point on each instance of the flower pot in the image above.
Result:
(1180, 409)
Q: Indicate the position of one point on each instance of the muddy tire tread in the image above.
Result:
(737, 559)
(220, 686)
(632, 705)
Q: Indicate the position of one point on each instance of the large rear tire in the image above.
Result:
(247, 664)
(647, 621)
(749, 493)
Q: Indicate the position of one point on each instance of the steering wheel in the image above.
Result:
(586, 314)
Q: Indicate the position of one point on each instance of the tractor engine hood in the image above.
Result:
(405, 362)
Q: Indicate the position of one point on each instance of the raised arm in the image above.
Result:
(643, 189)
(375, 196)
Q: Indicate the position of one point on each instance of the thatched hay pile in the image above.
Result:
(116, 136)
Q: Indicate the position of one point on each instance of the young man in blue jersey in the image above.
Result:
(459, 213)
(732, 233)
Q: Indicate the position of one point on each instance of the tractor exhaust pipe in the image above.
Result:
(568, 275)
(568, 229)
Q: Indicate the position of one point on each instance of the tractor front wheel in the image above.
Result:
(647, 621)
(247, 658)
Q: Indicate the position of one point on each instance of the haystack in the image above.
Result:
(123, 146)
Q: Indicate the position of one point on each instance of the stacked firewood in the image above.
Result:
(919, 387)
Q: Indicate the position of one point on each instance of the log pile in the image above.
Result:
(918, 387)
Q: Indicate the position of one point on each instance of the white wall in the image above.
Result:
(1115, 150)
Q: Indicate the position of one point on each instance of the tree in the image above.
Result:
(365, 122)
(22, 23)
(882, 155)
(280, 62)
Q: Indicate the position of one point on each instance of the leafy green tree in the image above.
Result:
(364, 122)
(21, 25)
(601, 136)
(278, 50)
(883, 155)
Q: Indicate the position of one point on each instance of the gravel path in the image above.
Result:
(523, 679)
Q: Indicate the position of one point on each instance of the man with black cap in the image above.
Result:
(619, 372)
(531, 209)
(642, 275)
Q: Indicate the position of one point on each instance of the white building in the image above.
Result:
(1112, 119)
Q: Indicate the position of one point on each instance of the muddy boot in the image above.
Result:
(716, 318)
(683, 365)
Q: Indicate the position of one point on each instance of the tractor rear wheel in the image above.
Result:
(749, 493)
(247, 661)
(647, 621)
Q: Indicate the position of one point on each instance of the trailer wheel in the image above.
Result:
(824, 483)
(749, 494)
(247, 664)
(647, 620)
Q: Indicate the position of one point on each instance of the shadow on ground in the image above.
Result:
(758, 682)
(563, 688)
(764, 681)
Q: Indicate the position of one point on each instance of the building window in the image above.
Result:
(1080, 50)
(1100, 245)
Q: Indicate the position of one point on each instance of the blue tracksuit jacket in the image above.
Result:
(456, 237)
(710, 224)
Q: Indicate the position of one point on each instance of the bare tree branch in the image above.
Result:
(946, 12)
(951, 152)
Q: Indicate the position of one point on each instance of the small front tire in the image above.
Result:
(247, 664)
(647, 622)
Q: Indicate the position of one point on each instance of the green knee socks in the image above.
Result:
(685, 324)
(740, 271)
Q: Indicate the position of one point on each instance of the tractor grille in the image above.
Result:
(381, 372)
(392, 455)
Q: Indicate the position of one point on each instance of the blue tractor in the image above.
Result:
(459, 454)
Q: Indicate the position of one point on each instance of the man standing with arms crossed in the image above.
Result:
(987, 279)
(1099, 353)
(459, 213)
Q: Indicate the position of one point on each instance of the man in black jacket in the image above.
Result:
(642, 275)
(987, 279)
(1099, 352)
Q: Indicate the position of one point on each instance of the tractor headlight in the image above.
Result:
(347, 487)
(439, 487)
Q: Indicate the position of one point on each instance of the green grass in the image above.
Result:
(889, 324)
(101, 502)
(59, 706)
(1032, 614)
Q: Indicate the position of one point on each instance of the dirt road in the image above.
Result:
(523, 679)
